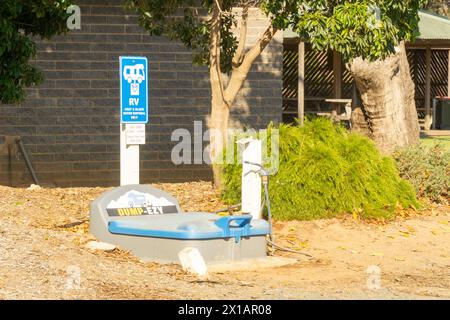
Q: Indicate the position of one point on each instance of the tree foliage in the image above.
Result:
(356, 28)
(186, 21)
(20, 20)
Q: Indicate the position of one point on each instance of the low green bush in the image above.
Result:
(324, 171)
(427, 167)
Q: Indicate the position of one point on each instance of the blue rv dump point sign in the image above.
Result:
(133, 90)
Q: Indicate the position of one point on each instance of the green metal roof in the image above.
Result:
(431, 27)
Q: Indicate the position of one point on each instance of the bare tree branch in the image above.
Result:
(214, 48)
(239, 74)
(239, 54)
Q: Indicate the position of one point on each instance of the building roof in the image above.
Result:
(431, 27)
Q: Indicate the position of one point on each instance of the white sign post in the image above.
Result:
(129, 159)
(133, 115)
(251, 180)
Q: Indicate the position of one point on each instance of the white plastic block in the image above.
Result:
(192, 261)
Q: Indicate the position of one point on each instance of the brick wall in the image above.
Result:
(70, 123)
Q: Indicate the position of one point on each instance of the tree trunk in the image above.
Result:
(387, 112)
(218, 122)
(218, 125)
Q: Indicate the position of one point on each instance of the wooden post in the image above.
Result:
(337, 74)
(301, 82)
(428, 117)
(448, 75)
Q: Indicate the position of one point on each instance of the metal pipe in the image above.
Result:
(235, 206)
(27, 160)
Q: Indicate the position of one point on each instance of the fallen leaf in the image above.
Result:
(376, 254)
(411, 229)
(404, 234)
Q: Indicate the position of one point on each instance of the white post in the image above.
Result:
(251, 180)
(129, 159)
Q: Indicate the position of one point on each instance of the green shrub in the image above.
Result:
(427, 167)
(324, 171)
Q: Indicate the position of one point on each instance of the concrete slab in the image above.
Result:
(434, 133)
(251, 264)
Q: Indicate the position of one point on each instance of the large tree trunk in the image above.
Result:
(387, 112)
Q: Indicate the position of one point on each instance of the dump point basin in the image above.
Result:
(151, 224)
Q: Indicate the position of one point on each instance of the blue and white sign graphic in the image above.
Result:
(133, 90)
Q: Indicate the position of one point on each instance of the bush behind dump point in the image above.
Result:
(324, 171)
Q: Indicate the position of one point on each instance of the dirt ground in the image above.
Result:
(43, 236)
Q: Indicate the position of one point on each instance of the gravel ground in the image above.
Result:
(43, 236)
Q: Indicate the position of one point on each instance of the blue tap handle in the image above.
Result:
(242, 225)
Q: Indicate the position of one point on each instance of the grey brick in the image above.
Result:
(161, 75)
(109, 47)
(70, 47)
(54, 148)
(73, 84)
(90, 166)
(145, 47)
(87, 19)
(172, 47)
(92, 74)
(91, 92)
(109, 29)
(176, 66)
(105, 83)
(71, 102)
(122, 19)
(72, 156)
(104, 65)
(58, 74)
(134, 28)
(91, 148)
(126, 38)
(107, 10)
(73, 65)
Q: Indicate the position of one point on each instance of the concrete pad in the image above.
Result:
(102, 246)
(251, 264)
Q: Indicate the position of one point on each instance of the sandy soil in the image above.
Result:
(43, 234)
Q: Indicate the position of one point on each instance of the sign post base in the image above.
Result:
(129, 159)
